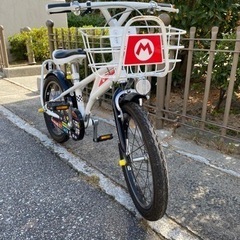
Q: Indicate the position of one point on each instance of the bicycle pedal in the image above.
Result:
(58, 105)
(41, 110)
(104, 137)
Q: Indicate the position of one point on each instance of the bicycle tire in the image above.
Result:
(52, 88)
(146, 177)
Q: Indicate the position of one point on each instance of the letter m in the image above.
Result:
(142, 47)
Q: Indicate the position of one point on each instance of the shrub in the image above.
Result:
(18, 46)
(94, 19)
(39, 44)
(67, 38)
(221, 66)
(204, 14)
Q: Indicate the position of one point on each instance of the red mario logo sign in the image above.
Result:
(143, 49)
(106, 78)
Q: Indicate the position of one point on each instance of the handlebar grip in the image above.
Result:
(53, 8)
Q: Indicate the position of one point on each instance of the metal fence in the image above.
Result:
(3, 50)
(211, 102)
(191, 95)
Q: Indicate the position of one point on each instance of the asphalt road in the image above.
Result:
(41, 197)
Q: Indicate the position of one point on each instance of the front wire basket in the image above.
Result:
(133, 51)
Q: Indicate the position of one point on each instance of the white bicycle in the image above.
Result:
(131, 49)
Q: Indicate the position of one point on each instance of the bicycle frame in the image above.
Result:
(96, 92)
(99, 87)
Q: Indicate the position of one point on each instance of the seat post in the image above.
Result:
(74, 71)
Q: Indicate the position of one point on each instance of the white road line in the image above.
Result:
(207, 162)
(165, 226)
(21, 85)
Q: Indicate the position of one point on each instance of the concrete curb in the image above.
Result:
(20, 71)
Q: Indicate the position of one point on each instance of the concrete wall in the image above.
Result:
(17, 14)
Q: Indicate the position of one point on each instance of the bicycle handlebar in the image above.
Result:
(53, 8)
(64, 6)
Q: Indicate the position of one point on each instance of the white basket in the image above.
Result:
(133, 51)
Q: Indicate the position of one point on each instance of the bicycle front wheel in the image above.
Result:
(145, 170)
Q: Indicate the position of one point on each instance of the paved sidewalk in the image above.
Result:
(204, 192)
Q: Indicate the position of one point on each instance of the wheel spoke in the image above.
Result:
(145, 172)
(52, 89)
(139, 159)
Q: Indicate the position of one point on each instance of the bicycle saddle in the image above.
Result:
(62, 56)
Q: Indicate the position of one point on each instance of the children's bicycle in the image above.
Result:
(131, 48)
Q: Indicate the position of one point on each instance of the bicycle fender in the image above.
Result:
(131, 97)
(65, 84)
(60, 75)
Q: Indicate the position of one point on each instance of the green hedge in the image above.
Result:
(39, 39)
(39, 42)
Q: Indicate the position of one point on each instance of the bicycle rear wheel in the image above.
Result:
(51, 90)
(145, 170)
